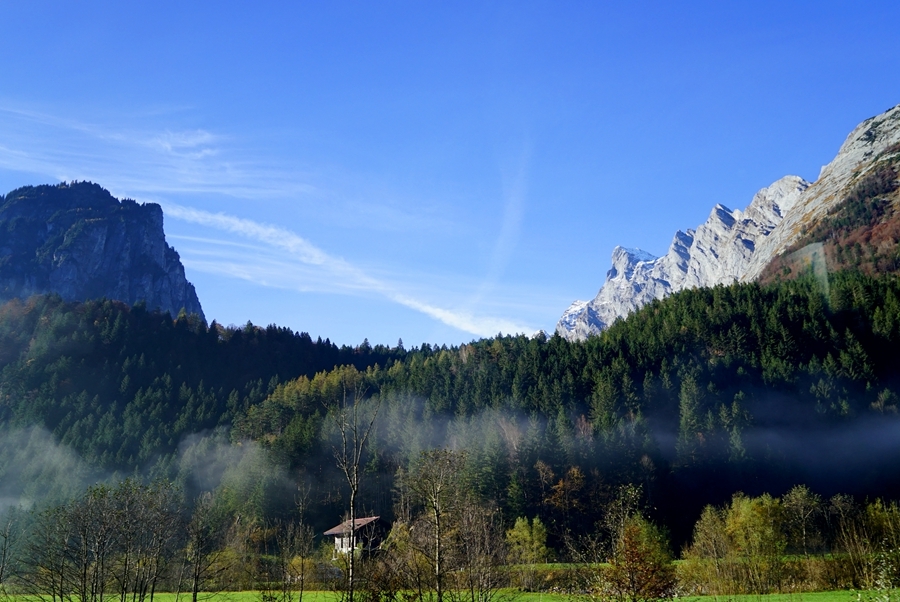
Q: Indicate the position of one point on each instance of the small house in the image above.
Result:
(365, 534)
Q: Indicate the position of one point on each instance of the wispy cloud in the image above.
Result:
(160, 163)
(515, 187)
(153, 160)
(298, 249)
(197, 144)
(138, 160)
(514, 194)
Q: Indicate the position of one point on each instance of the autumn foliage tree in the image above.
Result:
(641, 567)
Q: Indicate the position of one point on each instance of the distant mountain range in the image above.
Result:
(78, 241)
(851, 203)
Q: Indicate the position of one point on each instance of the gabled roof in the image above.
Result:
(344, 527)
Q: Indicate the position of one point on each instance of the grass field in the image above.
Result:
(838, 596)
(311, 596)
(320, 596)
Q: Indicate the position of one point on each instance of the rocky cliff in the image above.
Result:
(873, 145)
(740, 245)
(80, 242)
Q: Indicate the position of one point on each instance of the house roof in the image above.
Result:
(344, 527)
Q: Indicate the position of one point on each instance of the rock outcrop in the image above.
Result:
(80, 242)
(717, 252)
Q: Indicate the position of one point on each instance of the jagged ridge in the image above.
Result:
(717, 252)
(735, 245)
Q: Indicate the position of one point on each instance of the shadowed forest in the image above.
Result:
(749, 430)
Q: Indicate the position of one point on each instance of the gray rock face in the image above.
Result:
(80, 242)
(859, 153)
(717, 252)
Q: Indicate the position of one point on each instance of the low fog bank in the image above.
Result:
(37, 471)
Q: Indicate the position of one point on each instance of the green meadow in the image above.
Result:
(835, 596)
(328, 596)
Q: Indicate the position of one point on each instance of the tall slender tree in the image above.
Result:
(9, 535)
(354, 421)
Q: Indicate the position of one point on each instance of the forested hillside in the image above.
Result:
(709, 392)
(123, 386)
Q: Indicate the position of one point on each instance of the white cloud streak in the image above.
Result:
(157, 163)
(300, 250)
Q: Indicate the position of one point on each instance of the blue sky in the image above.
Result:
(426, 171)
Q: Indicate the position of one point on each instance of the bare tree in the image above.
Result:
(111, 539)
(204, 533)
(354, 421)
(625, 505)
(588, 552)
(93, 542)
(447, 545)
(149, 521)
(801, 507)
(480, 551)
(400, 565)
(707, 558)
(48, 571)
(434, 481)
(9, 535)
(867, 537)
(295, 543)
(287, 545)
(72, 547)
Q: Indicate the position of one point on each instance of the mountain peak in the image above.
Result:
(717, 252)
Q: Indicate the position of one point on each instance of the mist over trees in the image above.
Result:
(745, 388)
(710, 391)
(123, 386)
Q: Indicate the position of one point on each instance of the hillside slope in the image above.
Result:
(850, 212)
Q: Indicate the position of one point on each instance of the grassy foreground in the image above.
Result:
(835, 596)
(327, 596)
